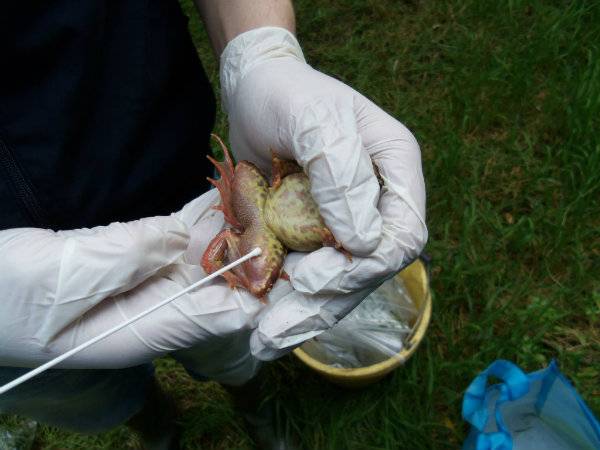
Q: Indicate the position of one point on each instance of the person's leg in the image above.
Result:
(90, 401)
(155, 423)
(230, 363)
(259, 408)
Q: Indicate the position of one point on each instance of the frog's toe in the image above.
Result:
(225, 184)
(346, 253)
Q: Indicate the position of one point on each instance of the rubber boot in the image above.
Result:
(264, 423)
(155, 423)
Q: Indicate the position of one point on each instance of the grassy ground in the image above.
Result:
(504, 98)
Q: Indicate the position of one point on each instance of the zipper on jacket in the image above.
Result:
(21, 187)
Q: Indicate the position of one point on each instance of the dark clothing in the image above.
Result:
(105, 112)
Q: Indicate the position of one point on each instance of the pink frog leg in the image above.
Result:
(215, 254)
(224, 184)
(281, 168)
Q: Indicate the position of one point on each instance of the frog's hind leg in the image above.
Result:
(224, 184)
(216, 253)
(281, 168)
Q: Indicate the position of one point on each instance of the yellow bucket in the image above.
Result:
(416, 281)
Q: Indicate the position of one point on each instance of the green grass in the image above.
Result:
(504, 98)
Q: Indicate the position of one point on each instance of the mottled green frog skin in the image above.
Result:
(293, 216)
(274, 218)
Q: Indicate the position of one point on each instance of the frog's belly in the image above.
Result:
(262, 271)
(292, 214)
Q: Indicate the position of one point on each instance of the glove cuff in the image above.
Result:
(251, 49)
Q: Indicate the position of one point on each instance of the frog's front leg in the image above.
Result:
(224, 248)
(281, 168)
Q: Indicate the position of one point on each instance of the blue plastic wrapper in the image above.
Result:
(540, 410)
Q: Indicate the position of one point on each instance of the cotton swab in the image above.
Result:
(32, 373)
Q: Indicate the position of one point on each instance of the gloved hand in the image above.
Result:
(60, 289)
(276, 101)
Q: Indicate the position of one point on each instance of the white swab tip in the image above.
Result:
(257, 251)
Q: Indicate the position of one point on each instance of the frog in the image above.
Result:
(276, 217)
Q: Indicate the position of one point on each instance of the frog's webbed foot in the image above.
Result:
(281, 168)
(330, 241)
(214, 256)
(224, 184)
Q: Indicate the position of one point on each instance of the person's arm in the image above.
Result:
(226, 19)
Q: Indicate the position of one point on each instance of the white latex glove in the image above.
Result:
(60, 289)
(276, 101)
